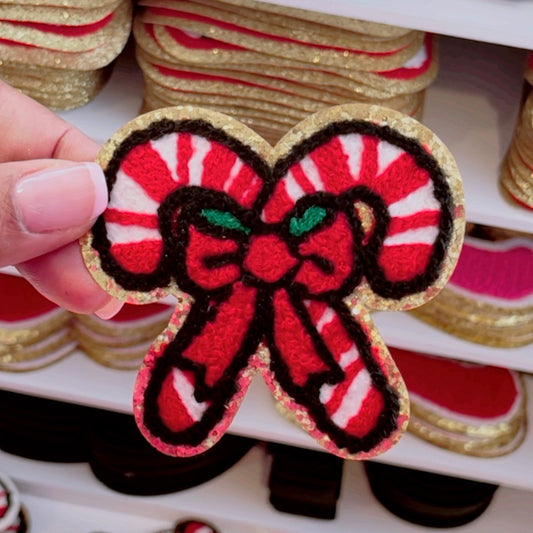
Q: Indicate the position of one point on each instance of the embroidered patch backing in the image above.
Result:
(276, 256)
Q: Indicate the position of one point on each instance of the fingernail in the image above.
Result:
(109, 310)
(60, 198)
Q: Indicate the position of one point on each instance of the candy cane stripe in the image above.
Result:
(185, 391)
(233, 173)
(352, 146)
(200, 148)
(420, 199)
(293, 188)
(128, 193)
(311, 172)
(387, 155)
(353, 399)
(426, 235)
(166, 147)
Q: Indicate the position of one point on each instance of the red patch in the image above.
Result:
(405, 261)
(335, 244)
(201, 247)
(368, 416)
(138, 257)
(418, 220)
(20, 300)
(217, 344)
(268, 258)
(127, 218)
(279, 203)
(149, 170)
(293, 342)
(172, 411)
(332, 164)
(468, 389)
(218, 163)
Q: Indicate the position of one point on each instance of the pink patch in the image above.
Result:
(506, 274)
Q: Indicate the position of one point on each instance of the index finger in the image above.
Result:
(31, 131)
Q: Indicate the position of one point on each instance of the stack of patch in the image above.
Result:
(271, 66)
(516, 175)
(34, 332)
(122, 341)
(489, 298)
(471, 409)
(60, 52)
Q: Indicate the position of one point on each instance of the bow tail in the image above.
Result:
(190, 388)
(353, 397)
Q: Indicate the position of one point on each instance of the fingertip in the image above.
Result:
(109, 310)
(97, 177)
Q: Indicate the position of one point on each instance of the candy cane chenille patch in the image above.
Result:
(277, 255)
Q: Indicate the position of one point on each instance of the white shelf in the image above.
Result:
(47, 515)
(505, 22)
(402, 330)
(78, 379)
(66, 498)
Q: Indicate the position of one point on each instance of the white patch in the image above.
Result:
(422, 199)
(292, 187)
(167, 148)
(204, 529)
(311, 173)
(387, 155)
(327, 316)
(353, 399)
(233, 173)
(200, 147)
(185, 391)
(418, 59)
(119, 234)
(425, 235)
(348, 357)
(128, 194)
(352, 146)
(326, 392)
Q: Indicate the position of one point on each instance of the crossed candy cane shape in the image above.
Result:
(280, 253)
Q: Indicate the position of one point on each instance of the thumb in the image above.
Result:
(46, 204)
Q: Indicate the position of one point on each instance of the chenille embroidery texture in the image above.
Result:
(277, 249)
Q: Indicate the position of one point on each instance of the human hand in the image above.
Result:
(50, 195)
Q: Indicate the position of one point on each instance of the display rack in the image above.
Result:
(472, 107)
(236, 501)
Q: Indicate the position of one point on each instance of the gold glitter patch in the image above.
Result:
(302, 31)
(67, 43)
(300, 52)
(335, 21)
(47, 14)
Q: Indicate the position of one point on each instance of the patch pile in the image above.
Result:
(470, 409)
(516, 174)
(122, 341)
(34, 332)
(489, 298)
(60, 52)
(271, 66)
